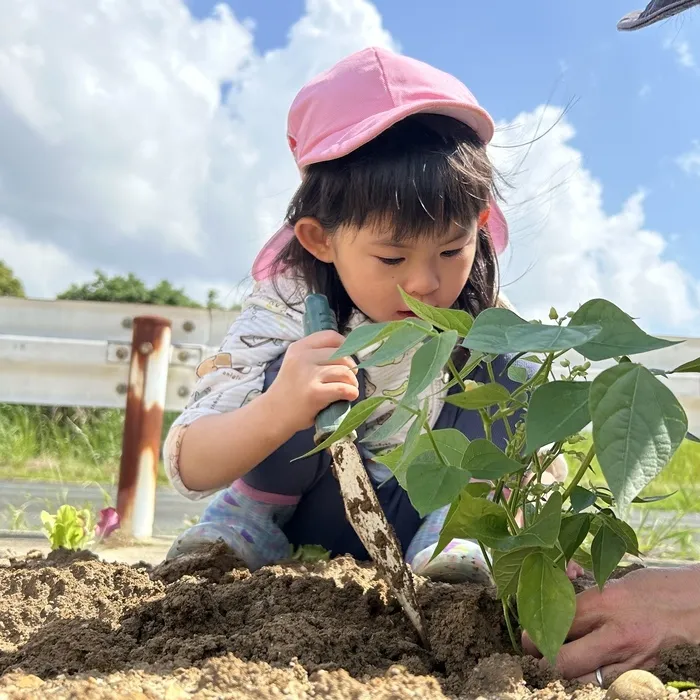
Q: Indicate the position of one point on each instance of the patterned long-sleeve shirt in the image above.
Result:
(270, 320)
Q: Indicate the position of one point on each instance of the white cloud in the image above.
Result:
(118, 153)
(690, 161)
(681, 48)
(567, 249)
(117, 150)
(43, 267)
(645, 90)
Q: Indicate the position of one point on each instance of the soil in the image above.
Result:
(73, 626)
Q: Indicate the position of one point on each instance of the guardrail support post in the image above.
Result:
(143, 424)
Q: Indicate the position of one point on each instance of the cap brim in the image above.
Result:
(262, 266)
(655, 11)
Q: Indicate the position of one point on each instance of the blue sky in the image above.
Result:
(125, 128)
(636, 107)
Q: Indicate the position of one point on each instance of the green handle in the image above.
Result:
(318, 316)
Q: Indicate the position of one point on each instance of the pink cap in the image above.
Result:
(360, 97)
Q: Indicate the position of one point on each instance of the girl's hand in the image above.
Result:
(308, 381)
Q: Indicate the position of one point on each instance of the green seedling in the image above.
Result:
(311, 553)
(73, 528)
(69, 528)
(528, 529)
(681, 685)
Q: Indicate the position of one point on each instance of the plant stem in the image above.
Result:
(489, 369)
(456, 375)
(509, 625)
(431, 437)
(509, 430)
(487, 559)
(511, 520)
(546, 366)
(579, 474)
(486, 420)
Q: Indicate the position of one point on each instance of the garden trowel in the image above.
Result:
(362, 506)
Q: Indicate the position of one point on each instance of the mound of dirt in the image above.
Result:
(72, 626)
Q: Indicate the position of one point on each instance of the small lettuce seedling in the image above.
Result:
(70, 528)
(74, 529)
(529, 530)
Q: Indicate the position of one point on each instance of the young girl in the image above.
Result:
(397, 190)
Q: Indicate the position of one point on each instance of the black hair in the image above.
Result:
(419, 178)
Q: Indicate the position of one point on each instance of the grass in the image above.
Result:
(82, 446)
(75, 445)
(681, 475)
(68, 445)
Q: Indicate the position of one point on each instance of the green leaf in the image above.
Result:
(506, 570)
(682, 685)
(572, 533)
(637, 426)
(622, 529)
(399, 417)
(692, 366)
(357, 415)
(518, 374)
(414, 431)
(537, 337)
(607, 550)
(396, 345)
(311, 553)
(478, 489)
(546, 604)
(488, 334)
(451, 443)
(544, 532)
(557, 410)
(445, 319)
(431, 484)
(429, 361)
(362, 337)
(620, 335)
(582, 498)
(653, 499)
(481, 396)
(477, 519)
(483, 460)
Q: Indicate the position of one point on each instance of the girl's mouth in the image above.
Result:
(406, 314)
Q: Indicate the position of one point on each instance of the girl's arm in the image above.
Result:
(225, 428)
(215, 450)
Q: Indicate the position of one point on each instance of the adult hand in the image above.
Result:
(627, 624)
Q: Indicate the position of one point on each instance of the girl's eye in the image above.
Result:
(391, 261)
(452, 253)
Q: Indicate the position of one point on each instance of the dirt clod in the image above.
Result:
(72, 626)
(636, 685)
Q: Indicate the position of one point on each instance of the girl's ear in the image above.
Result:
(314, 238)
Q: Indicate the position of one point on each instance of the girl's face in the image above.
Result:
(371, 266)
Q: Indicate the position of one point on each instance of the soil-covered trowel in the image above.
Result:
(362, 506)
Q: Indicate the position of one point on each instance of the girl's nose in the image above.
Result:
(422, 282)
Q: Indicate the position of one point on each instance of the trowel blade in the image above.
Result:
(367, 518)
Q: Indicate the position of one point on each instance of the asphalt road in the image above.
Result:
(172, 510)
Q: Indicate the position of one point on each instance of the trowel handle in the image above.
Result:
(318, 316)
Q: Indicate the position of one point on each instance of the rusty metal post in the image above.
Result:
(143, 424)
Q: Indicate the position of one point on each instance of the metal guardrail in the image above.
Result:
(138, 357)
(76, 353)
(142, 358)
